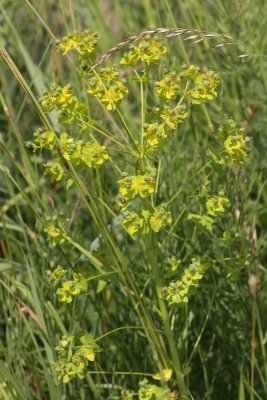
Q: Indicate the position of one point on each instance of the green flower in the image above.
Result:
(55, 169)
(148, 391)
(174, 117)
(216, 205)
(43, 140)
(138, 185)
(160, 218)
(205, 88)
(137, 222)
(68, 291)
(56, 97)
(56, 275)
(142, 221)
(236, 148)
(154, 136)
(64, 370)
(179, 292)
(84, 42)
(168, 87)
(235, 145)
(61, 99)
(191, 72)
(72, 149)
(56, 233)
(93, 154)
(109, 94)
(147, 51)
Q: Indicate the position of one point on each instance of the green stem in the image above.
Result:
(122, 328)
(152, 257)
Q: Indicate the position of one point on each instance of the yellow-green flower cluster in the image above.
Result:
(73, 359)
(90, 154)
(142, 221)
(55, 232)
(43, 140)
(71, 286)
(137, 185)
(136, 222)
(83, 42)
(160, 218)
(205, 84)
(174, 116)
(55, 169)
(61, 99)
(127, 395)
(163, 119)
(205, 89)
(107, 87)
(55, 276)
(147, 51)
(154, 136)
(70, 289)
(148, 391)
(235, 144)
(169, 86)
(179, 292)
(214, 207)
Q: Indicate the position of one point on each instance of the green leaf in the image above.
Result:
(101, 285)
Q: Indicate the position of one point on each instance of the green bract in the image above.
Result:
(106, 86)
(169, 86)
(148, 391)
(179, 292)
(139, 185)
(43, 140)
(216, 205)
(74, 355)
(83, 42)
(61, 99)
(55, 169)
(142, 221)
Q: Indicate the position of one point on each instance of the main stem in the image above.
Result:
(153, 262)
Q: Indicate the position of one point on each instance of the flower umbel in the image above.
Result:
(147, 51)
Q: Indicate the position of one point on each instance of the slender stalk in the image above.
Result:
(253, 342)
(152, 257)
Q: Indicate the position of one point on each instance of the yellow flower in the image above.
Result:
(155, 136)
(44, 140)
(147, 50)
(137, 222)
(68, 291)
(160, 218)
(235, 146)
(55, 169)
(169, 86)
(110, 94)
(83, 42)
(72, 149)
(137, 185)
(93, 154)
(205, 88)
(174, 117)
(216, 205)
